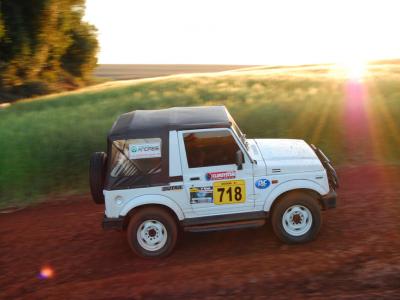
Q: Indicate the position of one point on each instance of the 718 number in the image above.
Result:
(233, 194)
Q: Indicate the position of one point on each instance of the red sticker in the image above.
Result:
(221, 175)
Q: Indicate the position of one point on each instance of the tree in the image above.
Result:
(79, 59)
(1, 27)
(44, 43)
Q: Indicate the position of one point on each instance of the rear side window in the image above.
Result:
(210, 148)
(136, 157)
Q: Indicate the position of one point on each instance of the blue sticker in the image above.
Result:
(262, 183)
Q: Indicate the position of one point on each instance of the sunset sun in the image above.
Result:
(355, 69)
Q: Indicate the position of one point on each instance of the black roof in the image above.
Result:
(154, 123)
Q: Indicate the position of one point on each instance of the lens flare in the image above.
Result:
(355, 69)
(46, 272)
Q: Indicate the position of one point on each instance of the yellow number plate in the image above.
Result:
(229, 192)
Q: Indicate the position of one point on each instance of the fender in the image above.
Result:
(292, 185)
(152, 199)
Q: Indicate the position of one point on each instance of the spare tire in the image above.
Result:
(97, 175)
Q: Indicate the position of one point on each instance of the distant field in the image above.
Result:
(123, 72)
(45, 144)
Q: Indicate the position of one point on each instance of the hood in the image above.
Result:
(282, 156)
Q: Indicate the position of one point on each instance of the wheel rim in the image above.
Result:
(152, 235)
(297, 220)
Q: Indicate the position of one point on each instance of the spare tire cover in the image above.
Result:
(97, 173)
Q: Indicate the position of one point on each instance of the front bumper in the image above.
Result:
(329, 200)
(113, 223)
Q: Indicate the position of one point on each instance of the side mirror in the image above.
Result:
(239, 160)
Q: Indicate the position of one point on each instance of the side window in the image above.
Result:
(136, 157)
(210, 148)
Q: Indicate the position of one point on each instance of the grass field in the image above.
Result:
(45, 144)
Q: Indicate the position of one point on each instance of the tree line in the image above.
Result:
(45, 46)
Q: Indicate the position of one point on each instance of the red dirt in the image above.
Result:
(355, 256)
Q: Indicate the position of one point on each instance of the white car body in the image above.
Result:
(282, 164)
(192, 168)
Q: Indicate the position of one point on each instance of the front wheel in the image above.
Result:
(152, 232)
(296, 218)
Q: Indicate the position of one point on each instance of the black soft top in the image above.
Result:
(153, 123)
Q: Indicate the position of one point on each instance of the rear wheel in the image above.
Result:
(152, 232)
(296, 218)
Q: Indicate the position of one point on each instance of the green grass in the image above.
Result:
(45, 144)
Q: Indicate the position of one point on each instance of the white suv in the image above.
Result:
(192, 168)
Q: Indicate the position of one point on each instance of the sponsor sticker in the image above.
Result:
(221, 175)
(202, 194)
(262, 183)
(147, 150)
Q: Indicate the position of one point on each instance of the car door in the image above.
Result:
(212, 180)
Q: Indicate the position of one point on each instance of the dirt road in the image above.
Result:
(357, 254)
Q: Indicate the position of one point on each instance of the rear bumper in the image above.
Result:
(329, 200)
(113, 223)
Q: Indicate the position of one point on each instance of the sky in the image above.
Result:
(245, 31)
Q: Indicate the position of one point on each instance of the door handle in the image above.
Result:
(194, 178)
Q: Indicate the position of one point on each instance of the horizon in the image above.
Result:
(252, 65)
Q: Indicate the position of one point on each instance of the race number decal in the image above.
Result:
(229, 192)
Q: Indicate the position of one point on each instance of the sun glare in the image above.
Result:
(354, 69)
